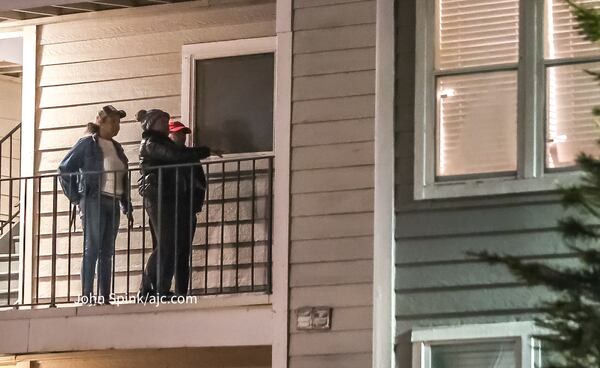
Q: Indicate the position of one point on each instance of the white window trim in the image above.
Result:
(531, 175)
(527, 347)
(212, 50)
(281, 45)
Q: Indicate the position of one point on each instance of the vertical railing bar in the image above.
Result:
(10, 239)
(1, 188)
(143, 225)
(37, 255)
(270, 230)
(237, 229)
(206, 241)
(191, 229)
(176, 214)
(222, 261)
(129, 225)
(99, 213)
(10, 157)
(159, 231)
(112, 223)
(22, 242)
(252, 223)
(71, 223)
(54, 227)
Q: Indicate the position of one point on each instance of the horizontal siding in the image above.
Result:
(328, 62)
(344, 131)
(332, 156)
(107, 91)
(436, 281)
(338, 15)
(152, 43)
(332, 203)
(10, 101)
(341, 108)
(334, 85)
(78, 116)
(332, 250)
(347, 360)
(199, 16)
(332, 180)
(104, 70)
(341, 38)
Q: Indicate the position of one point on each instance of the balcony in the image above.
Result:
(40, 262)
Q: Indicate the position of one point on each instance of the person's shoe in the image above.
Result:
(168, 295)
(144, 295)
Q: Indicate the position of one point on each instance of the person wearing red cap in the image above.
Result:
(178, 132)
(191, 191)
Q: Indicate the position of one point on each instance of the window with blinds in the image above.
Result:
(476, 62)
(571, 93)
(474, 33)
(497, 354)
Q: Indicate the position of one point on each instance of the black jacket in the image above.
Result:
(157, 150)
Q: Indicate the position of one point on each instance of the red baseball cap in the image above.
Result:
(176, 126)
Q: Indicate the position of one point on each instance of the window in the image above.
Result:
(230, 94)
(498, 345)
(492, 354)
(503, 100)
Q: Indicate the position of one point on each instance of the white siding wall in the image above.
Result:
(332, 179)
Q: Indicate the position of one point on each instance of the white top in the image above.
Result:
(111, 162)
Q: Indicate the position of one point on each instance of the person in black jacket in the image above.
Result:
(158, 188)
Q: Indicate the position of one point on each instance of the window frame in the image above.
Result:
(531, 174)
(527, 347)
(222, 49)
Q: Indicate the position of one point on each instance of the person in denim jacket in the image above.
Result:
(86, 182)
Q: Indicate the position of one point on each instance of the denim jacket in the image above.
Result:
(86, 156)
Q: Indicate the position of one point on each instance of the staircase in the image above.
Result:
(9, 217)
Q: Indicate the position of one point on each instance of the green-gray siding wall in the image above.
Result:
(436, 283)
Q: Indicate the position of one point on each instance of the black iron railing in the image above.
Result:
(230, 251)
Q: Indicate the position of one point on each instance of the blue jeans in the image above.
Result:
(100, 219)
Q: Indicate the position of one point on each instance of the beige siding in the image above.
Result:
(133, 61)
(250, 357)
(332, 179)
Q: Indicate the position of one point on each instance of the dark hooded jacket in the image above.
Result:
(156, 149)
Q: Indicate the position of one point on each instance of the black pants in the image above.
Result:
(172, 234)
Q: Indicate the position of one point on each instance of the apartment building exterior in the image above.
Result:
(403, 135)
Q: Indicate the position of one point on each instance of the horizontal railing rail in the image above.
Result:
(63, 253)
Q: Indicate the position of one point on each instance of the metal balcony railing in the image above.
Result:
(230, 252)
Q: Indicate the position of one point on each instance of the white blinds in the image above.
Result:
(474, 355)
(477, 123)
(476, 33)
(571, 95)
(562, 36)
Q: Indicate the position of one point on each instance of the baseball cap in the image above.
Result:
(177, 126)
(111, 110)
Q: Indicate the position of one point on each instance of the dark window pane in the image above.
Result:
(234, 103)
